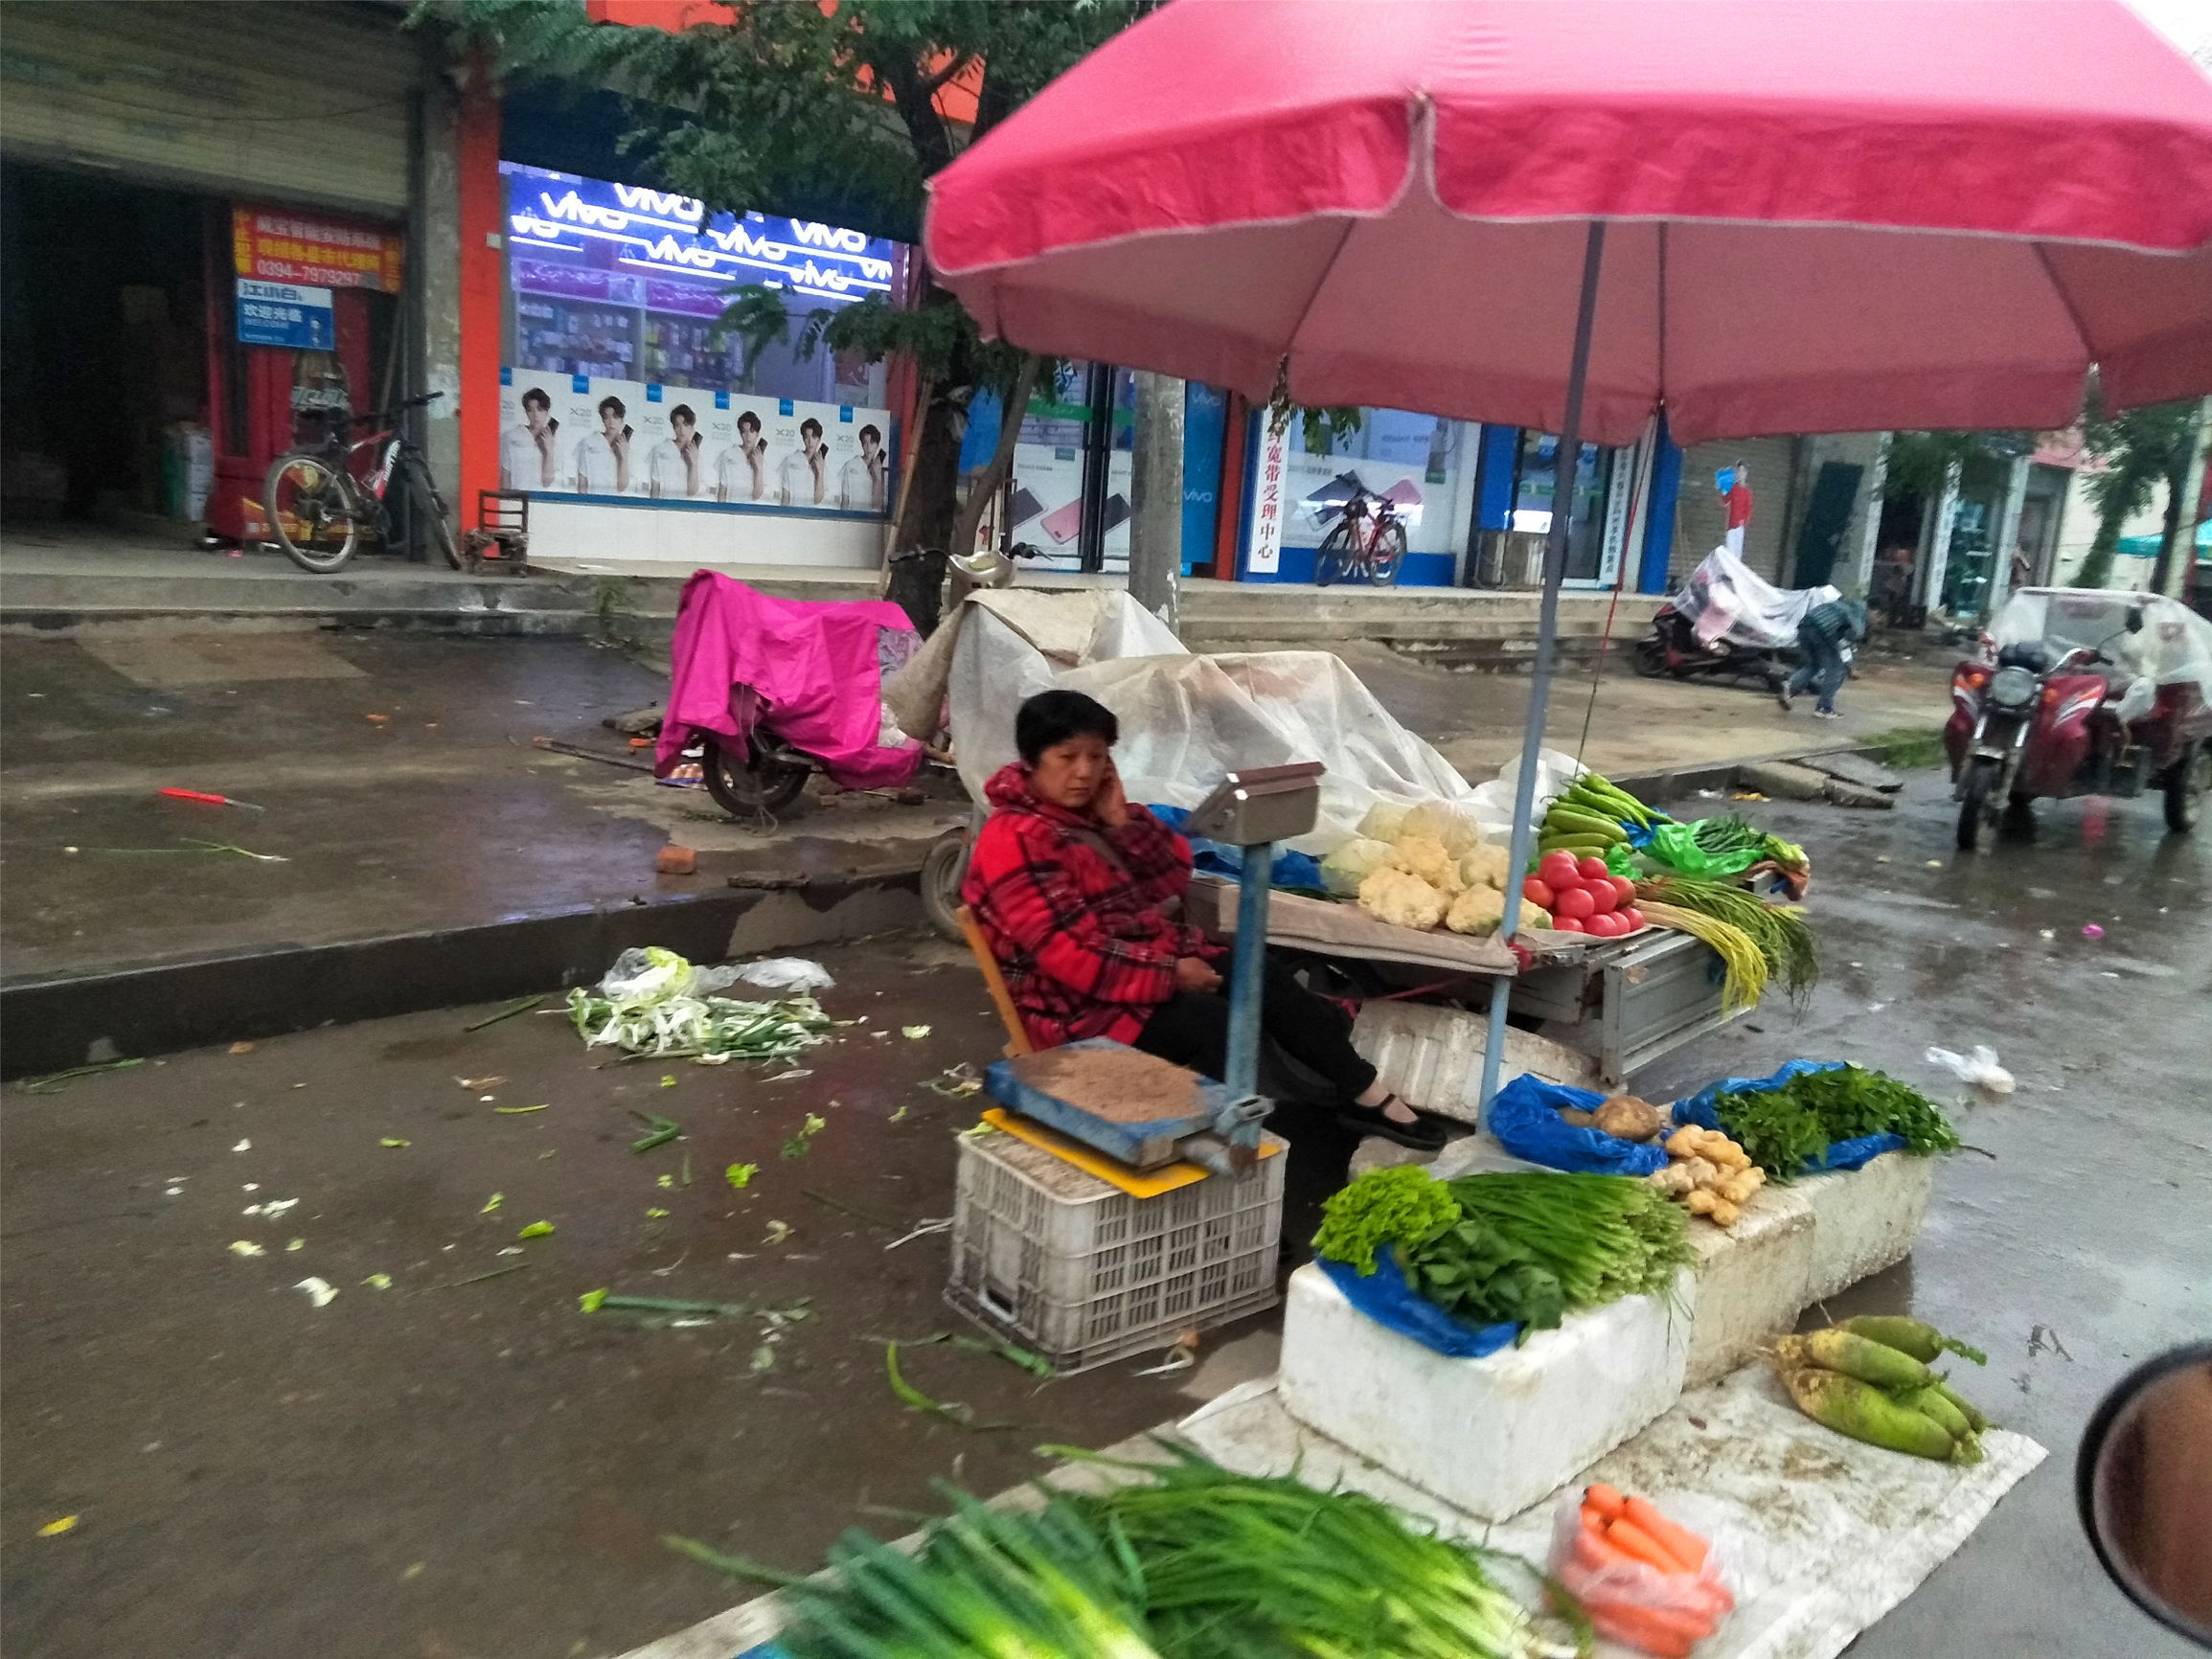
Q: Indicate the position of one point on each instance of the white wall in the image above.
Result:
(2078, 528)
(610, 534)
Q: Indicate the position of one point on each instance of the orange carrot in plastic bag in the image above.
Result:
(1678, 1541)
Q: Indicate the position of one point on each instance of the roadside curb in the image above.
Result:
(1674, 783)
(48, 1025)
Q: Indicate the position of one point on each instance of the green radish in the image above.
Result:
(1930, 1403)
(1914, 1336)
(1838, 1350)
(1862, 1411)
(1966, 1407)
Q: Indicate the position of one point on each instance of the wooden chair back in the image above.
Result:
(1018, 1041)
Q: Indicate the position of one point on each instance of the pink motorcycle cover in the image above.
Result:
(812, 671)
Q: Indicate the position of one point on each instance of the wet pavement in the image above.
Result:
(256, 1476)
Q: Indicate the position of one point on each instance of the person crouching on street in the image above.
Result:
(1078, 891)
(1820, 638)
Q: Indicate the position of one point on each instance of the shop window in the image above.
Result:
(1536, 479)
(1415, 460)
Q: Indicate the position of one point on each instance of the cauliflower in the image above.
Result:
(1421, 855)
(1386, 821)
(1439, 822)
(1345, 869)
(1481, 909)
(1402, 899)
(1484, 867)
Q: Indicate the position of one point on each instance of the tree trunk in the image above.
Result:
(931, 502)
(961, 541)
(1157, 482)
(2178, 547)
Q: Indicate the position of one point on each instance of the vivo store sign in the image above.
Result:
(653, 231)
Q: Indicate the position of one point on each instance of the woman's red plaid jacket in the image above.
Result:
(1084, 946)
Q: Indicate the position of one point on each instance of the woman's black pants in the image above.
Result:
(1192, 1029)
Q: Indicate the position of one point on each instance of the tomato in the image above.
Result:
(1557, 871)
(1537, 892)
(1601, 896)
(1605, 925)
(1574, 904)
(1593, 869)
(1624, 892)
(1566, 924)
(1634, 917)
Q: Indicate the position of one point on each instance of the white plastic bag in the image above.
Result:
(793, 975)
(1980, 1068)
(1623, 1598)
(649, 973)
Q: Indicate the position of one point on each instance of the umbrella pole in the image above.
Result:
(1564, 471)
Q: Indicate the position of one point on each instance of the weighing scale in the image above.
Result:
(1212, 1125)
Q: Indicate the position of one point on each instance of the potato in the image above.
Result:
(1630, 1119)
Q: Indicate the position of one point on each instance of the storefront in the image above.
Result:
(640, 427)
(188, 291)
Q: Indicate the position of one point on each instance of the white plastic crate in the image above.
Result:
(1075, 1269)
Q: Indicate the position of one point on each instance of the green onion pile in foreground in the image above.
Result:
(1185, 1561)
(1521, 1248)
(1782, 1128)
(712, 1030)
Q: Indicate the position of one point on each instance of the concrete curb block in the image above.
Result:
(51, 1024)
(1674, 783)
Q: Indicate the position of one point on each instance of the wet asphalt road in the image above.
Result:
(446, 1469)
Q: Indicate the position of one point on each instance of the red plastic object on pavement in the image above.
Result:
(211, 800)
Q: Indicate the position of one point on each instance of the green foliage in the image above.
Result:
(1780, 1128)
(2141, 448)
(1398, 1206)
(1919, 460)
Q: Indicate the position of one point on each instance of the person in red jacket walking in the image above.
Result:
(1079, 891)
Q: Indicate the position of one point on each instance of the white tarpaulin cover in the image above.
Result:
(1828, 1535)
(2174, 648)
(1725, 598)
(1186, 720)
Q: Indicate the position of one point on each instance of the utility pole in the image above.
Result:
(1157, 480)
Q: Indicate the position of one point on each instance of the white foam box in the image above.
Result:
(1431, 1055)
(1865, 1220)
(1753, 1280)
(1489, 1435)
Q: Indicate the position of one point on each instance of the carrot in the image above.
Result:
(1626, 1535)
(1606, 1500)
(1635, 1627)
(1678, 1541)
(1597, 1550)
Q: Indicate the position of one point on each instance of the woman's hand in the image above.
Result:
(1109, 806)
(1193, 973)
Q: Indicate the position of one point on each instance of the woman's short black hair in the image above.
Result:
(1054, 717)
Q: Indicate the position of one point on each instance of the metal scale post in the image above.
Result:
(1253, 809)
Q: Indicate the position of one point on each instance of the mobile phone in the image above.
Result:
(1026, 506)
(1117, 511)
(1063, 524)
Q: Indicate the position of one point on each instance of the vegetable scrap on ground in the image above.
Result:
(654, 1002)
(1182, 1560)
(1870, 1378)
(1510, 1248)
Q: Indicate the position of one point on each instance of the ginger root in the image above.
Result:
(1738, 1188)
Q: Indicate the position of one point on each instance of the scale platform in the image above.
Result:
(1133, 1106)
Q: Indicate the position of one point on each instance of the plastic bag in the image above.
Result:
(1631, 1602)
(1386, 821)
(1345, 869)
(793, 975)
(1703, 1108)
(649, 973)
(1524, 1117)
(1453, 826)
(1980, 1068)
(1676, 846)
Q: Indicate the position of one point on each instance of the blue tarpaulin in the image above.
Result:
(1384, 1297)
(1525, 1118)
(1297, 870)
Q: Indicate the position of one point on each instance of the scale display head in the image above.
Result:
(1259, 804)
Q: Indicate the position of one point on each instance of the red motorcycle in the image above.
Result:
(2038, 715)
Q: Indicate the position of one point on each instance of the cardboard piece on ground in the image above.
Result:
(1834, 1532)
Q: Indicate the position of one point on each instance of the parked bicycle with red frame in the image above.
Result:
(1367, 539)
(319, 509)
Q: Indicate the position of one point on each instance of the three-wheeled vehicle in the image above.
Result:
(2083, 692)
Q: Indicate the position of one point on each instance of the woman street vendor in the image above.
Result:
(1079, 891)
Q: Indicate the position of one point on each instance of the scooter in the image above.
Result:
(2044, 722)
(1672, 649)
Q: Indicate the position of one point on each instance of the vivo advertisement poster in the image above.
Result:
(586, 435)
(621, 384)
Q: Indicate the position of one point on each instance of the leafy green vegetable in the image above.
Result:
(1780, 1128)
(1478, 1276)
(1396, 1206)
(1602, 1237)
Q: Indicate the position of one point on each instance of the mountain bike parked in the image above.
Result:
(1367, 539)
(319, 511)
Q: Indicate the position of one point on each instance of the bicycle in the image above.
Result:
(319, 511)
(1367, 539)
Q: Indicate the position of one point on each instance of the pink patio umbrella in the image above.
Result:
(1760, 216)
